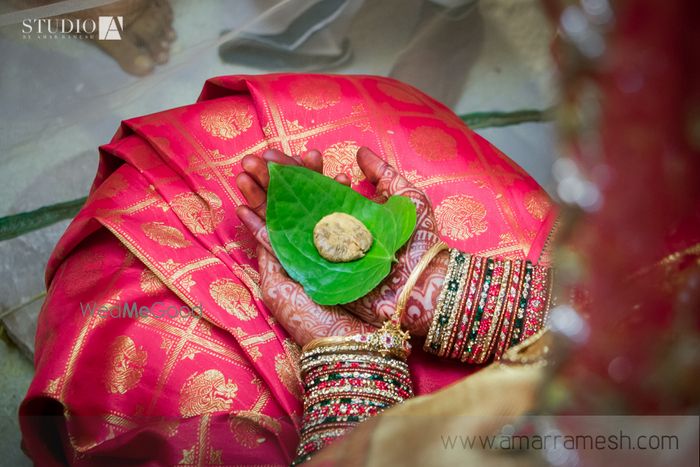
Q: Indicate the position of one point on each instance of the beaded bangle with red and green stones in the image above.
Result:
(487, 305)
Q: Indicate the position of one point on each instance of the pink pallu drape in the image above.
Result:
(160, 229)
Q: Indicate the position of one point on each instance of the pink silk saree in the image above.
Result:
(159, 229)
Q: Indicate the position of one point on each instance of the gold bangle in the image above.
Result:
(414, 276)
(390, 339)
(325, 342)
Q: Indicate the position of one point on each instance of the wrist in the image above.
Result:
(421, 304)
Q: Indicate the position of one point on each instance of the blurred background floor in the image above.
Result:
(61, 98)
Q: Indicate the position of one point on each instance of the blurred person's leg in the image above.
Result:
(146, 36)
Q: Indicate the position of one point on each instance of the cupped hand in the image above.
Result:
(303, 318)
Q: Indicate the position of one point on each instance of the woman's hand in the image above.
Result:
(304, 319)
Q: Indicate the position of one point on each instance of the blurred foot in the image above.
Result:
(146, 38)
(147, 35)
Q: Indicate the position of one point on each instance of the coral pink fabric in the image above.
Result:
(159, 230)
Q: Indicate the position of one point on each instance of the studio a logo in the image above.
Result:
(106, 28)
(110, 28)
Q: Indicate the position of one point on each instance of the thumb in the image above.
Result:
(255, 225)
(386, 178)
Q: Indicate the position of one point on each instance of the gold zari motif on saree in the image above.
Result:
(226, 120)
(433, 144)
(205, 393)
(125, 366)
(537, 205)
(201, 212)
(460, 217)
(234, 298)
(165, 235)
(315, 93)
(341, 158)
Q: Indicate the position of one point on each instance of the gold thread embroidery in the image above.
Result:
(537, 204)
(249, 427)
(299, 146)
(187, 283)
(433, 144)
(251, 343)
(114, 216)
(315, 93)
(505, 239)
(243, 240)
(187, 456)
(150, 284)
(83, 272)
(52, 386)
(206, 392)
(287, 368)
(226, 120)
(195, 144)
(460, 217)
(170, 265)
(179, 270)
(201, 212)
(114, 185)
(126, 365)
(250, 277)
(165, 235)
(341, 158)
(234, 298)
(184, 336)
(293, 125)
(80, 340)
(496, 179)
(226, 163)
(189, 353)
(215, 456)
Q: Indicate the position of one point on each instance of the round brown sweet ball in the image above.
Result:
(340, 238)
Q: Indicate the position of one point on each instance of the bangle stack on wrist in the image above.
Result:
(446, 312)
(487, 305)
(349, 379)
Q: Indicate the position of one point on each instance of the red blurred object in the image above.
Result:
(631, 122)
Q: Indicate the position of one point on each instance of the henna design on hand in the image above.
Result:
(303, 319)
(301, 316)
(380, 304)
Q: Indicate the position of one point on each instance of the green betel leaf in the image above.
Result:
(298, 198)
